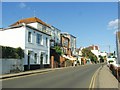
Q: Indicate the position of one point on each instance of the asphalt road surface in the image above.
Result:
(73, 77)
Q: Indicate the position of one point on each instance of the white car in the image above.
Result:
(111, 60)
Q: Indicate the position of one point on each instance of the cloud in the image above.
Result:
(22, 5)
(115, 31)
(113, 24)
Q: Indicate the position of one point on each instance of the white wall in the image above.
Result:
(96, 52)
(73, 44)
(35, 25)
(103, 54)
(79, 58)
(13, 37)
(36, 48)
(11, 65)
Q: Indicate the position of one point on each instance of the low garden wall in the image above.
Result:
(11, 66)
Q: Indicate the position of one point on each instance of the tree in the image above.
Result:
(101, 58)
(88, 54)
(58, 50)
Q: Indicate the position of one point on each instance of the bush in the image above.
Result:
(20, 52)
(9, 52)
(111, 61)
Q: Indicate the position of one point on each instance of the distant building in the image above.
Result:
(33, 36)
(103, 54)
(72, 43)
(79, 51)
(94, 49)
(79, 55)
(118, 46)
(68, 45)
(65, 45)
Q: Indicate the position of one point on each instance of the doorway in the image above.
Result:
(41, 61)
(29, 60)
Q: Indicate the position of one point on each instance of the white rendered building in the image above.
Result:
(32, 35)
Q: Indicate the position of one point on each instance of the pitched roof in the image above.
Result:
(20, 25)
(93, 47)
(30, 20)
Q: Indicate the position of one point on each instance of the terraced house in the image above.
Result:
(68, 45)
(33, 36)
(72, 46)
(55, 36)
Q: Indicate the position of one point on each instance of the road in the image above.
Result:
(73, 77)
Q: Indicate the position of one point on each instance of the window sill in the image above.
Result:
(39, 44)
(30, 43)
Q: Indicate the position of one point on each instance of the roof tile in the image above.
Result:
(30, 20)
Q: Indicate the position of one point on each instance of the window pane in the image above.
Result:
(41, 39)
(38, 38)
(29, 36)
(43, 28)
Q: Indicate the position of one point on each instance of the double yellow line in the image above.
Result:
(92, 83)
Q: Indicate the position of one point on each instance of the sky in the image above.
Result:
(93, 23)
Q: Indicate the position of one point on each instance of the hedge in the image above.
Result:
(9, 52)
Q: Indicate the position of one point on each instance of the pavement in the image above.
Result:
(105, 79)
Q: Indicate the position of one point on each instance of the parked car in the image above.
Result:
(111, 60)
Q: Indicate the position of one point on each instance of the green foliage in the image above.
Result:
(88, 54)
(110, 61)
(58, 50)
(20, 52)
(101, 57)
(9, 52)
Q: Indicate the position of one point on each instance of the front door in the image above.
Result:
(41, 60)
(28, 60)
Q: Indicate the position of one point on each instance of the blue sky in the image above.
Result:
(88, 21)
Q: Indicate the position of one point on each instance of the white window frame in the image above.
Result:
(41, 39)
